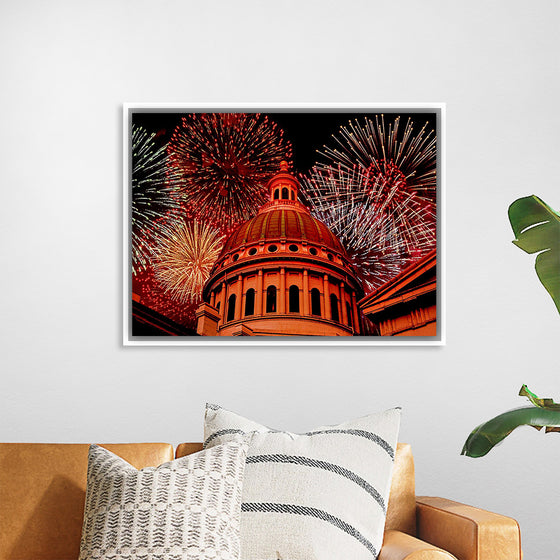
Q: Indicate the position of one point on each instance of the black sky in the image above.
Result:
(307, 131)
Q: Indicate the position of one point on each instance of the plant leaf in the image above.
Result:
(541, 403)
(484, 437)
(536, 227)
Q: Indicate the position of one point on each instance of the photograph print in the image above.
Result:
(284, 223)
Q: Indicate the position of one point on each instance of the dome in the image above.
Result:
(283, 219)
(283, 223)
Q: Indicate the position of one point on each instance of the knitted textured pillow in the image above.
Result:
(187, 509)
(313, 496)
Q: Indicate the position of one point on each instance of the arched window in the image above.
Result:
(250, 302)
(315, 302)
(285, 193)
(271, 299)
(231, 308)
(292, 195)
(218, 305)
(294, 299)
(334, 308)
(276, 194)
(349, 313)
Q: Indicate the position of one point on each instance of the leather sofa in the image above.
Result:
(42, 492)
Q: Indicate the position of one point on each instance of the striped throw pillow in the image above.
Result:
(320, 495)
(187, 509)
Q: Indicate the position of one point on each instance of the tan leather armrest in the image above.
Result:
(400, 546)
(467, 532)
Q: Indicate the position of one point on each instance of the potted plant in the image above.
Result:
(537, 230)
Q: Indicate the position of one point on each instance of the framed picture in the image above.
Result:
(283, 224)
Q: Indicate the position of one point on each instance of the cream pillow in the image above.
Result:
(187, 509)
(321, 495)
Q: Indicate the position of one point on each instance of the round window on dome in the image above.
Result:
(272, 248)
(330, 257)
(293, 248)
(313, 251)
(252, 251)
(235, 257)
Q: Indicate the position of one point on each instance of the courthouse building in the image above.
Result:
(282, 273)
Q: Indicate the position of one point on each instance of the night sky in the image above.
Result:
(307, 131)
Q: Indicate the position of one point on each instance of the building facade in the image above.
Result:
(282, 273)
(407, 304)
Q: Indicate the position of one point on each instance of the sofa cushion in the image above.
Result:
(186, 509)
(322, 494)
(42, 493)
(401, 509)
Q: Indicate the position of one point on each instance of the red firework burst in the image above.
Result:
(150, 294)
(377, 193)
(225, 161)
(405, 157)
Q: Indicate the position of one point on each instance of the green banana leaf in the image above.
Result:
(536, 227)
(537, 401)
(544, 413)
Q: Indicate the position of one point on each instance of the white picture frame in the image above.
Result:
(130, 338)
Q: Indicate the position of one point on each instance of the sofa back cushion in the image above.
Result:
(42, 494)
(401, 509)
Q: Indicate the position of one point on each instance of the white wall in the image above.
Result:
(68, 66)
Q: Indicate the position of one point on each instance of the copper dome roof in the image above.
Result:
(283, 218)
(291, 224)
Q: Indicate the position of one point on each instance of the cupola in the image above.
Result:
(283, 186)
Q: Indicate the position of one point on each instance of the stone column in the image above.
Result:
(259, 295)
(342, 299)
(305, 293)
(223, 301)
(355, 313)
(282, 298)
(238, 297)
(326, 297)
(213, 299)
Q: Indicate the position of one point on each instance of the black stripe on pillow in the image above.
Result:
(311, 512)
(222, 433)
(360, 433)
(315, 463)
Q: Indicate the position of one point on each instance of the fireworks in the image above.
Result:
(152, 295)
(225, 161)
(384, 148)
(376, 192)
(186, 253)
(154, 196)
(374, 186)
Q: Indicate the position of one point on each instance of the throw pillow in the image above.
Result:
(187, 509)
(316, 496)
